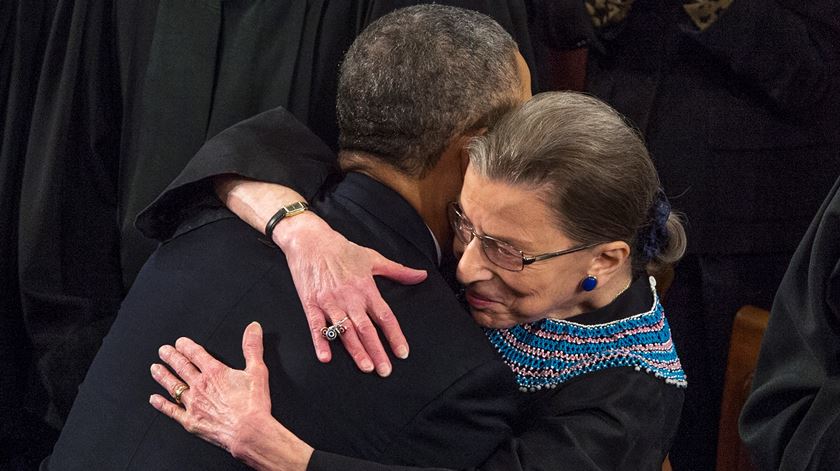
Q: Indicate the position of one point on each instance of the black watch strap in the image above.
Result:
(286, 211)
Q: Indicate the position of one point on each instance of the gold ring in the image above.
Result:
(179, 389)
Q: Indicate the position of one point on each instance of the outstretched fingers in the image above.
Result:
(196, 354)
(171, 383)
(317, 320)
(179, 363)
(169, 409)
(370, 344)
(349, 336)
(387, 321)
(395, 271)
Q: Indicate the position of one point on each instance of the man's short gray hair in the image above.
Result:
(419, 76)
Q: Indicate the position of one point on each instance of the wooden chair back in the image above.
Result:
(747, 331)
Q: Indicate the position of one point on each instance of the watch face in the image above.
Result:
(295, 208)
(284, 212)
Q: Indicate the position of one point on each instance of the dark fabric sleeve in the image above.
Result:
(477, 409)
(791, 420)
(325, 461)
(272, 146)
(617, 419)
(787, 50)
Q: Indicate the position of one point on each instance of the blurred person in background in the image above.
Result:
(791, 420)
(738, 101)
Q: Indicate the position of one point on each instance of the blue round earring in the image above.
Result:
(589, 283)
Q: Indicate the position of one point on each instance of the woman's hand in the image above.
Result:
(334, 279)
(228, 408)
(333, 276)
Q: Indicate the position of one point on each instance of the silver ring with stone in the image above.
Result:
(334, 331)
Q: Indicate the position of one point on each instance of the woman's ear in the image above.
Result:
(609, 258)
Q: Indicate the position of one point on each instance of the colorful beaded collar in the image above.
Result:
(549, 352)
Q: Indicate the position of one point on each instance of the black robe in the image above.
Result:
(791, 420)
(612, 419)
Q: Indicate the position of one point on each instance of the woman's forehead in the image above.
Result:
(499, 198)
(513, 213)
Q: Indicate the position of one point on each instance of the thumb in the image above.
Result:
(397, 272)
(252, 345)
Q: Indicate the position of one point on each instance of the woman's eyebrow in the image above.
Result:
(512, 241)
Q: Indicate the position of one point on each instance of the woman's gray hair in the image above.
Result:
(419, 76)
(591, 167)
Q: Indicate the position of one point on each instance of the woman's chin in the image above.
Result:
(491, 320)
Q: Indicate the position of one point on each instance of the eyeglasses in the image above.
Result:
(499, 252)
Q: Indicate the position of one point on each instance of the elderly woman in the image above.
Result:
(559, 225)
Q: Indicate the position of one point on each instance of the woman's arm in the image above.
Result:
(613, 419)
(333, 276)
(616, 418)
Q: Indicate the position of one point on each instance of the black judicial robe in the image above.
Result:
(104, 102)
(617, 418)
(791, 420)
(612, 419)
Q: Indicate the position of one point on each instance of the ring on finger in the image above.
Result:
(334, 331)
(178, 390)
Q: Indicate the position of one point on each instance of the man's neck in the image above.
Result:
(428, 195)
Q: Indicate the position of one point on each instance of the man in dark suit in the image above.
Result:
(738, 101)
(403, 143)
(104, 102)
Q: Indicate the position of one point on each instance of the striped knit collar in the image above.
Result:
(549, 352)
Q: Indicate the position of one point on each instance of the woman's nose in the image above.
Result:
(472, 266)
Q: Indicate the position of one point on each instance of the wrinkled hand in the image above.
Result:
(334, 279)
(226, 407)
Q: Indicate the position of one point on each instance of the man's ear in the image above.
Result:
(609, 258)
(479, 131)
(464, 158)
(464, 141)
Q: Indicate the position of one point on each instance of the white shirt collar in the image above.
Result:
(437, 246)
